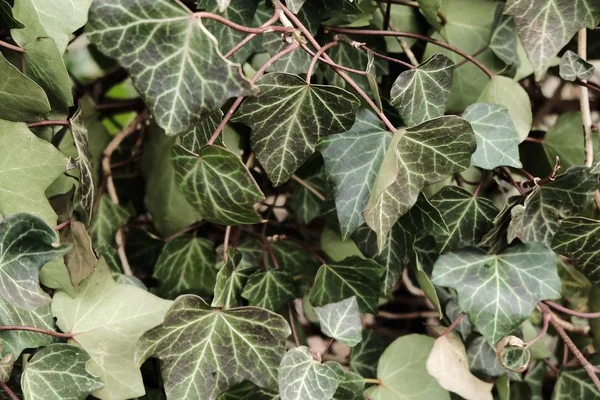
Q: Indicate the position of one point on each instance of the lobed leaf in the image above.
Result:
(341, 321)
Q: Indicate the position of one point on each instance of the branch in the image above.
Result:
(251, 36)
(309, 187)
(478, 52)
(402, 42)
(11, 47)
(571, 312)
(317, 55)
(38, 330)
(242, 28)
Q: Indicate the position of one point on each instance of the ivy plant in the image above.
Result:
(292, 199)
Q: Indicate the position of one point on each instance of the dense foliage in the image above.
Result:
(299, 199)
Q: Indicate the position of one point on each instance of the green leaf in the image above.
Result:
(269, 289)
(575, 383)
(483, 360)
(186, 264)
(350, 388)
(7, 364)
(508, 93)
(292, 257)
(429, 9)
(228, 347)
(495, 239)
(421, 155)
(289, 116)
(498, 292)
(26, 244)
(468, 218)
(573, 67)
(7, 19)
(305, 204)
(29, 166)
(364, 356)
(301, 377)
(86, 191)
(58, 372)
(217, 183)
(566, 196)
(565, 140)
(341, 321)
(577, 238)
(513, 354)
(174, 64)
(352, 277)
(497, 139)
(352, 160)
(403, 374)
(295, 5)
(546, 26)
(504, 40)
(109, 218)
(230, 281)
(421, 93)
(107, 319)
(199, 135)
(80, 260)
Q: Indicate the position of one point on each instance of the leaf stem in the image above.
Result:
(534, 140)
(241, 28)
(329, 343)
(512, 181)
(226, 241)
(588, 85)
(453, 325)
(384, 57)
(11, 47)
(446, 46)
(415, 4)
(36, 329)
(50, 122)
(478, 52)
(571, 312)
(372, 380)
(62, 224)
(293, 325)
(479, 185)
(546, 321)
(183, 231)
(401, 41)
(317, 55)
(251, 36)
(8, 391)
(584, 102)
(331, 63)
(309, 187)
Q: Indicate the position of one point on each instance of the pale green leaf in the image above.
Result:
(289, 116)
(228, 347)
(498, 292)
(573, 67)
(108, 219)
(341, 321)
(174, 64)
(21, 99)
(565, 140)
(421, 93)
(86, 191)
(497, 138)
(303, 378)
(270, 289)
(504, 40)
(352, 160)
(365, 355)
(577, 238)
(28, 165)
(80, 260)
(429, 9)
(217, 183)
(58, 372)
(107, 319)
(186, 265)
(336, 248)
(230, 281)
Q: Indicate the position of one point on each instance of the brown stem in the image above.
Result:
(293, 325)
(269, 250)
(588, 85)
(479, 186)
(241, 28)
(544, 181)
(309, 187)
(251, 36)
(36, 329)
(478, 52)
(401, 41)
(510, 178)
(584, 102)
(534, 140)
(331, 63)
(446, 46)
(373, 380)
(388, 14)
(11, 47)
(48, 123)
(453, 325)
(546, 319)
(62, 224)
(572, 312)
(8, 391)
(317, 55)
(329, 343)
(388, 58)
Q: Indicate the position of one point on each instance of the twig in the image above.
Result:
(62, 224)
(317, 55)
(572, 312)
(412, 289)
(11, 47)
(36, 329)
(8, 391)
(309, 187)
(49, 122)
(415, 4)
(581, 329)
(453, 324)
(588, 85)
(544, 181)
(506, 171)
(546, 320)
(251, 36)
(410, 315)
(478, 52)
(388, 14)
(226, 241)
(293, 325)
(479, 186)
(181, 232)
(584, 102)
(331, 63)
(269, 250)
(241, 28)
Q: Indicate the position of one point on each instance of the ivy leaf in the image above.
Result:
(350, 388)
(429, 9)
(403, 374)
(352, 160)
(573, 67)
(498, 292)
(80, 260)
(421, 155)
(59, 372)
(575, 381)
(301, 377)
(341, 321)
(421, 93)
(29, 166)
(7, 19)
(353, 277)
(269, 289)
(546, 26)
(497, 139)
(495, 239)
(289, 116)
(26, 244)
(304, 203)
(191, 81)
(86, 191)
(292, 257)
(504, 40)
(565, 140)
(364, 356)
(229, 346)
(483, 360)
(230, 281)
(199, 135)
(217, 183)
(513, 353)
(577, 239)
(107, 319)
(468, 218)
(186, 264)
(566, 196)
(109, 218)
(295, 5)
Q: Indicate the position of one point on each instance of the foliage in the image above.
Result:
(290, 199)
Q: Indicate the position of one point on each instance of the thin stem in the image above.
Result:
(534, 140)
(478, 52)
(36, 329)
(479, 186)
(8, 391)
(331, 63)
(329, 343)
(251, 36)
(309, 187)
(446, 46)
(402, 42)
(226, 241)
(62, 224)
(388, 14)
(415, 4)
(388, 58)
(412, 289)
(11, 47)
(269, 250)
(588, 85)
(512, 181)
(181, 232)
(453, 325)
(49, 123)
(410, 315)
(317, 55)
(373, 380)
(293, 325)
(572, 312)
(241, 28)
(584, 102)
(546, 320)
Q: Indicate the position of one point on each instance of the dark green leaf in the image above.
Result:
(199, 135)
(495, 239)
(341, 321)
(483, 360)
(573, 67)
(269, 289)
(565, 140)
(504, 41)
(305, 204)
(364, 356)
(574, 383)
(350, 388)
(108, 219)
(513, 354)
(293, 257)
(7, 19)
(230, 281)
(86, 191)
(577, 238)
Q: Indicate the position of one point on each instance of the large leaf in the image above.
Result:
(174, 63)
(26, 244)
(58, 372)
(546, 26)
(483, 359)
(351, 277)
(269, 289)
(421, 155)
(497, 139)
(186, 264)
(107, 319)
(352, 160)
(421, 93)
(217, 183)
(351, 387)
(302, 377)
(205, 351)
(498, 292)
(289, 116)
(578, 238)
(341, 321)
(573, 67)
(403, 374)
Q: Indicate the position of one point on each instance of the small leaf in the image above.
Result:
(228, 346)
(109, 218)
(429, 9)
(86, 191)
(420, 94)
(513, 354)
(498, 292)
(364, 356)
(230, 281)
(341, 321)
(573, 67)
(483, 360)
(351, 387)
(577, 238)
(303, 378)
(447, 363)
(289, 116)
(352, 277)
(269, 289)
(496, 238)
(59, 372)
(80, 260)
(217, 183)
(504, 41)
(497, 139)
